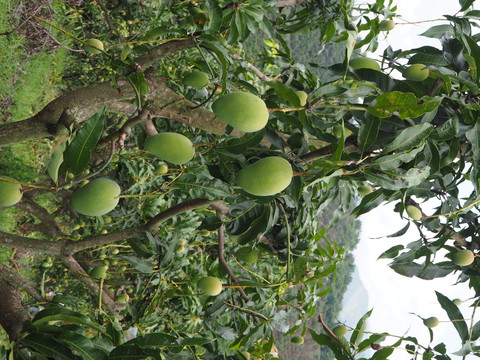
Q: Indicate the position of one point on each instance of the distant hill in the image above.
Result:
(355, 301)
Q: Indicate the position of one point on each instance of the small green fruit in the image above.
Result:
(10, 192)
(463, 257)
(196, 79)
(47, 264)
(122, 298)
(267, 176)
(431, 322)
(297, 340)
(243, 111)
(247, 255)
(302, 96)
(386, 25)
(340, 330)
(414, 212)
(93, 46)
(416, 72)
(364, 63)
(98, 272)
(161, 170)
(457, 302)
(96, 198)
(172, 147)
(210, 285)
(364, 189)
(115, 251)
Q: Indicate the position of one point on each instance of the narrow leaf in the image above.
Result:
(357, 334)
(368, 132)
(56, 160)
(454, 315)
(77, 153)
(285, 92)
(409, 138)
(46, 345)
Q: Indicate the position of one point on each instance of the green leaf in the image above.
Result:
(142, 265)
(81, 345)
(404, 105)
(409, 138)
(430, 272)
(140, 86)
(46, 345)
(476, 331)
(215, 15)
(390, 162)
(465, 4)
(369, 202)
(240, 144)
(368, 132)
(221, 54)
(324, 340)
(56, 160)
(392, 252)
(454, 315)
(398, 179)
(77, 154)
(54, 313)
(357, 334)
(447, 130)
(285, 92)
(438, 31)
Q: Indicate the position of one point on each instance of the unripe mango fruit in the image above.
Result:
(97, 198)
(161, 169)
(457, 302)
(98, 272)
(340, 330)
(243, 111)
(267, 176)
(414, 212)
(297, 340)
(247, 255)
(10, 192)
(210, 285)
(196, 79)
(302, 96)
(364, 63)
(172, 147)
(386, 25)
(431, 322)
(416, 72)
(93, 46)
(122, 298)
(364, 189)
(463, 257)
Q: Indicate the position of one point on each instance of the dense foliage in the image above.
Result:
(124, 283)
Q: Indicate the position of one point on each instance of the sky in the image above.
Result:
(394, 297)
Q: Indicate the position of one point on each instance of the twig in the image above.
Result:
(108, 19)
(335, 337)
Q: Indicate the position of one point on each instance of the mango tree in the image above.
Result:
(164, 227)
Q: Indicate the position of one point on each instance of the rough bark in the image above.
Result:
(20, 282)
(12, 312)
(79, 105)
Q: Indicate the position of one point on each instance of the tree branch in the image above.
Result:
(19, 281)
(92, 285)
(12, 312)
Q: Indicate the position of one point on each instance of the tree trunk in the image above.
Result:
(12, 312)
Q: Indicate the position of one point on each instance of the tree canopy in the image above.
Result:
(180, 181)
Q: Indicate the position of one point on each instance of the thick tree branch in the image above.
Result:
(30, 244)
(12, 312)
(49, 226)
(154, 224)
(19, 281)
(92, 285)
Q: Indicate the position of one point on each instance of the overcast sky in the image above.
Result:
(395, 297)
